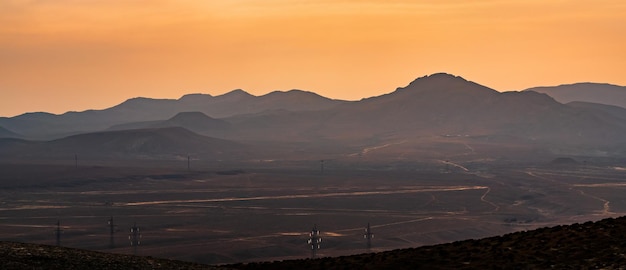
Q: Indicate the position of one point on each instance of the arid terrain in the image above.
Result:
(263, 211)
(240, 178)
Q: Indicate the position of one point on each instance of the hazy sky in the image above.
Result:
(62, 55)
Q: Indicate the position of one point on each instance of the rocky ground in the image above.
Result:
(599, 245)
(592, 245)
(32, 256)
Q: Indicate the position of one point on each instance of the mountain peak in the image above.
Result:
(438, 78)
(237, 93)
(194, 96)
(444, 83)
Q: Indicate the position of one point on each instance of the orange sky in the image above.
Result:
(72, 55)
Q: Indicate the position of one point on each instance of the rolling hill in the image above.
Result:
(159, 143)
(586, 92)
(578, 246)
(443, 105)
(48, 126)
(438, 111)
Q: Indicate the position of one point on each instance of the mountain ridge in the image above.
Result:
(140, 109)
(428, 107)
(602, 93)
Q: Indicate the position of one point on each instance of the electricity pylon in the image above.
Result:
(134, 237)
(112, 233)
(368, 235)
(314, 240)
(58, 232)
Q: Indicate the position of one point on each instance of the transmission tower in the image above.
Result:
(134, 237)
(314, 240)
(58, 232)
(112, 233)
(368, 236)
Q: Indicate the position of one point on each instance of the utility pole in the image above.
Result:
(188, 163)
(112, 232)
(58, 232)
(314, 241)
(368, 235)
(134, 237)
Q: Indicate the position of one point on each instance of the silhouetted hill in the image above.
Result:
(159, 143)
(46, 126)
(195, 121)
(591, 245)
(442, 105)
(424, 114)
(614, 111)
(587, 92)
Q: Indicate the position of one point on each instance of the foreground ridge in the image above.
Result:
(589, 245)
(32, 256)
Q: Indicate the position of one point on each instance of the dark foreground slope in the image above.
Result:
(599, 245)
(32, 256)
(592, 245)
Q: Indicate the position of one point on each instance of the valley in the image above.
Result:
(262, 212)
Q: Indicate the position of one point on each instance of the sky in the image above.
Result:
(74, 55)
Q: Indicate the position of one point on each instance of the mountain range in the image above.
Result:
(42, 125)
(441, 112)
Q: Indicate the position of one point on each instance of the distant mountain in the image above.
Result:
(46, 126)
(5, 133)
(614, 111)
(587, 92)
(444, 106)
(440, 112)
(162, 143)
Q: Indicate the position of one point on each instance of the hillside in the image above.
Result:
(14, 256)
(46, 126)
(194, 121)
(586, 92)
(598, 245)
(436, 111)
(444, 105)
(157, 143)
(591, 245)
(5, 133)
